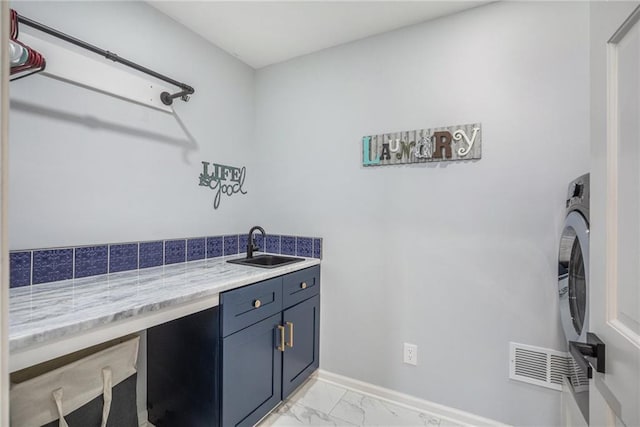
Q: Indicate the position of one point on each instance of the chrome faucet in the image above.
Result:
(251, 243)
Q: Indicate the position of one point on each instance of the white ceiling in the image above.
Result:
(261, 33)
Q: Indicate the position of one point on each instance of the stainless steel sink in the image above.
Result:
(266, 261)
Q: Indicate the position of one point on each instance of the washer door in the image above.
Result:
(573, 277)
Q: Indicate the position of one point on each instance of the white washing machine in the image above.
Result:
(573, 292)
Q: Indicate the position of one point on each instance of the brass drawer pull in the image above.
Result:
(257, 304)
(290, 343)
(303, 285)
(282, 332)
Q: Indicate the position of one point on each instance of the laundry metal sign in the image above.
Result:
(223, 180)
(441, 144)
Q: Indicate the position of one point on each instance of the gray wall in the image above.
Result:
(88, 168)
(458, 258)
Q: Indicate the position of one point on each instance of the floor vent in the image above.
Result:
(542, 366)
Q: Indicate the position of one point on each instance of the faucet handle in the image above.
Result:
(253, 244)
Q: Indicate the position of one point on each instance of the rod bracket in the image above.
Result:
(167, 98)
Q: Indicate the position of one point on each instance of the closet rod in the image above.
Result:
(166, 97)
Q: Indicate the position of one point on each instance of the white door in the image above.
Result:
(614, 302)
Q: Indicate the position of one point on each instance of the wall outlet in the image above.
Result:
(410, 355)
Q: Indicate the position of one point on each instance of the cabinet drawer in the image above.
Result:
(247, 305)
(300, 285)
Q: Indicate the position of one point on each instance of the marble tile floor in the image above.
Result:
(322, 403)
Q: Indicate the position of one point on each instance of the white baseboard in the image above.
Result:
(441, 411)
(143, 419)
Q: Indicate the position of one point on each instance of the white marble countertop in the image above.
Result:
(53, 311)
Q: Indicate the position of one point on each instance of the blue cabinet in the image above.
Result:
(252, 370)
(300, 359)
(267, 360)
(230, 365)
(183, 371)
(300, 285)
(247, 305)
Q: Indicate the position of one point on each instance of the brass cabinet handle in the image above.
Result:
(257, 304)
(290, 343)
(282, 332)
(303, 285)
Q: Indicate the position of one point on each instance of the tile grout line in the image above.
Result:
(336, 404)
(309, 384)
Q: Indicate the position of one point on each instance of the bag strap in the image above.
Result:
(107, 385)
(57, 396)
(107, 380)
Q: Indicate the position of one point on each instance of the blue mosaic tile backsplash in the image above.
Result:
(151, 254)
(304, 246)
(51, 265)
(20, 269)
(288, 245)
(196, 249)
(243, 239)
(230, 245)
(175, 251)
(123, 257)
(273, 244)
(317, 248)
(259, 241)
(214, 247)
(91, 261)
(32, 267)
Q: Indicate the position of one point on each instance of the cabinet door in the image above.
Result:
(300, 360)
(182, 371)
(251, 373)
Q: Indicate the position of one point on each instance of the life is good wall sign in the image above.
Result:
(443, 144)
(222, 179)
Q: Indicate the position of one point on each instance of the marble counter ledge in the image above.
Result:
(48, 312)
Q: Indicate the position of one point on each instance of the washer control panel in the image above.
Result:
(578, 196)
